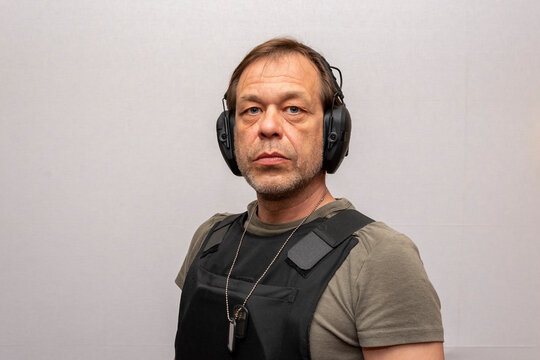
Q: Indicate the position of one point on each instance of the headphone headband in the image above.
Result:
(337, 87)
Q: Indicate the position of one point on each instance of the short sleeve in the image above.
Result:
(195, 245)
(396, 303)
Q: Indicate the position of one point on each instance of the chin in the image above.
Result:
(277, 187)
(278, 182)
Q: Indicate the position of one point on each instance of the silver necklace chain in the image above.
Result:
(269, 265)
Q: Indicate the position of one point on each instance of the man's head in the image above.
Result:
(279, 124)
(277, 99)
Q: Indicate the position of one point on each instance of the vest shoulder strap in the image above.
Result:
(309, 250)
(219, 230)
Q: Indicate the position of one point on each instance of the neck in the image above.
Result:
(296, 206)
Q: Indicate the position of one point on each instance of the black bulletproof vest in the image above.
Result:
(282, 305)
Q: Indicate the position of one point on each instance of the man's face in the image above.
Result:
(279, 130)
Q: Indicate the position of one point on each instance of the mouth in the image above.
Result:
(273, 158)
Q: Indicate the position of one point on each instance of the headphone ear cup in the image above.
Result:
(225, 138)
(337, 135)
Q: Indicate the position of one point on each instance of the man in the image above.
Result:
(300, 275)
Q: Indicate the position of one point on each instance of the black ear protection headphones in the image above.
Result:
(336, 131)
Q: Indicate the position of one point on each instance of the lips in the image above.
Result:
(270, 158)
(274, 154)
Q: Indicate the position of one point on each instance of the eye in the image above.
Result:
(253, 110)
(294, 109)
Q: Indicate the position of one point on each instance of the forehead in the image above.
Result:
(288, 70)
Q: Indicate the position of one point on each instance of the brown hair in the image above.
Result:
(274, 49)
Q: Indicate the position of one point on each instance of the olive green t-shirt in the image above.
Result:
(380, 295)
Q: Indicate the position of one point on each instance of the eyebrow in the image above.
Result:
(284, 97)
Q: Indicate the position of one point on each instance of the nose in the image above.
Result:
(270, 124)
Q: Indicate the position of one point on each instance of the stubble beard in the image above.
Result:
(292, 182)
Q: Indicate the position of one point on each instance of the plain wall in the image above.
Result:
(109, 160)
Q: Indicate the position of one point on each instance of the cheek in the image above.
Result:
(243, 143)
(239, 139)
(243, 135)
(307, 142)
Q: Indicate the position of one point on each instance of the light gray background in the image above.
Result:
(109, 159)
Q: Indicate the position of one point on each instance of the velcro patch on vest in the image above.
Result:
(307, 252)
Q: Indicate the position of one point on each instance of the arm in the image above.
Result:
(420, 351)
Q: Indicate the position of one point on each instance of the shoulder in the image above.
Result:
(391, 282)
(196, 243)
(383, 259)
(380, 249)
(382, 287)
(377, 241)
(203, 229)
(377, 245)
